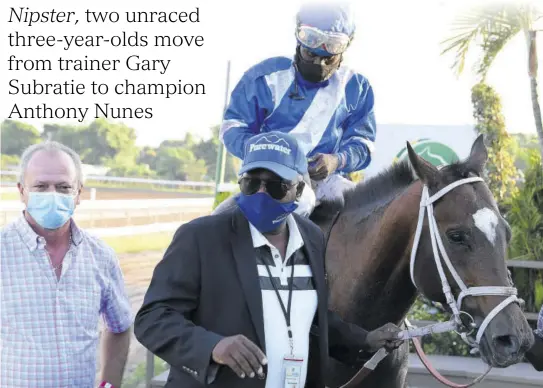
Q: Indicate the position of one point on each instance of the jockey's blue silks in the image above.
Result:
(50, 210)
(264, 212)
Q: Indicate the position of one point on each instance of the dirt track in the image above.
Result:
(138, 270)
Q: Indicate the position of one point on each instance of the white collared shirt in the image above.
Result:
(304, 301)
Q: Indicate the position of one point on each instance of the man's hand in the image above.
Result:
(323, 165)
(241, 355)
(385, 336)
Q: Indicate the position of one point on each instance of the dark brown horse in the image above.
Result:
(371, 236)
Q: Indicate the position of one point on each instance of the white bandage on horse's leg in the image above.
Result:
(307, 202)
(333, 187)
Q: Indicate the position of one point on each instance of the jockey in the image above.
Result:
(327, 107)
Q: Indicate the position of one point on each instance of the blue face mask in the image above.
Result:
(264, 212)
(50, 210)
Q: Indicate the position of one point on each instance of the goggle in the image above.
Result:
(332, 42)
(276, 188)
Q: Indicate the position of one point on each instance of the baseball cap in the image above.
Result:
(276, 151)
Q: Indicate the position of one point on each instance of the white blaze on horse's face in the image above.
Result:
(486, 221)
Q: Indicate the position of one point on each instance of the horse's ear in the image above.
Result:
(422, 169)
(478, 156)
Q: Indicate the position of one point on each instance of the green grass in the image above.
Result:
(9, 196)
(138, 243)
(137, 377)
(539, 293)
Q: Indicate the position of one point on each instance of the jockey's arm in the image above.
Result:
(245, 114)
(357, 142)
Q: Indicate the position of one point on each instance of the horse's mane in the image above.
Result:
(369, 195)
(378, 191)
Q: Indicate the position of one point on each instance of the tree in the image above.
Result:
(179, 164)
(70, 135)
(207, 150)
(491, 27)
(501, 171)
(100, 143)
(147, 156)
(17, 136)
(9, 162)
(521, 145)
(105, 140)
(526, 218)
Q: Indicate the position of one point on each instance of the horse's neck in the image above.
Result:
(383, 291)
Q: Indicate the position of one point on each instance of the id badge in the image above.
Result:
(292, 370)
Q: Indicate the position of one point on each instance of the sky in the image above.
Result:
(397, 47)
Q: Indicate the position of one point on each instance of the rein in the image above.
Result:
(455, 323)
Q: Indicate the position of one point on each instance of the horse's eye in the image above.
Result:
(457, 237)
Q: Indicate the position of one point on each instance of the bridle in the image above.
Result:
(455, 323)
(426, 205)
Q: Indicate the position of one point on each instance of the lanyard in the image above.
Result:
(286, 311)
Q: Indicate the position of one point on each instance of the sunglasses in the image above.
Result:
(276, 188)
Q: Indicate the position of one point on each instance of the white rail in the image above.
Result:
(135, 229)
(160, 182)
(98, 210)
(124, 204)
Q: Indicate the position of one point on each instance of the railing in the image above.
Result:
(147, 182)
(98, 213)
(530, 316)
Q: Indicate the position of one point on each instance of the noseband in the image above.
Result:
(426, 204)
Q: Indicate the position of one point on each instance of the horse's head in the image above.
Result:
(471, 232)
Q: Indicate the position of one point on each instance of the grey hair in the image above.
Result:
(50, 146)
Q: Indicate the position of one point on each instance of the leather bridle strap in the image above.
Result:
(368, 367)
(409, 333)
(438, 376)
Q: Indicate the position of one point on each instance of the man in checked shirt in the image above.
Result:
(55, 282)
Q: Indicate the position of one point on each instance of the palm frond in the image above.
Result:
(490, 27)
(493, 42)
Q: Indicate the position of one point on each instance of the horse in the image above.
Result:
(372, 274)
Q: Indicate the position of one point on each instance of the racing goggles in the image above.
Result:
(333, 42)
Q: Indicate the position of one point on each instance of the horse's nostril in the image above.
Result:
(507, 344)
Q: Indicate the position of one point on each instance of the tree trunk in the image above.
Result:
(537, 113)
(532, 71)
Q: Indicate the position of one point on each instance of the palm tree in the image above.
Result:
(491, 27)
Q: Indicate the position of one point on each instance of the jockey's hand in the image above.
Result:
(323, 165)
(386, 336)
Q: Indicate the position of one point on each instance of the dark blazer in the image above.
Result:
(206, 287)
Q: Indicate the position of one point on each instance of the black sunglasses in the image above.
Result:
(276, 188)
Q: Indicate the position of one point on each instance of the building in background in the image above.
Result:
(439, 144)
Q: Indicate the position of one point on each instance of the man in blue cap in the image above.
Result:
(238, 295)
(327, 107)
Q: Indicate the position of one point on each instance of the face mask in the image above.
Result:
(313, 72)
(50, 210)
(264, 212)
